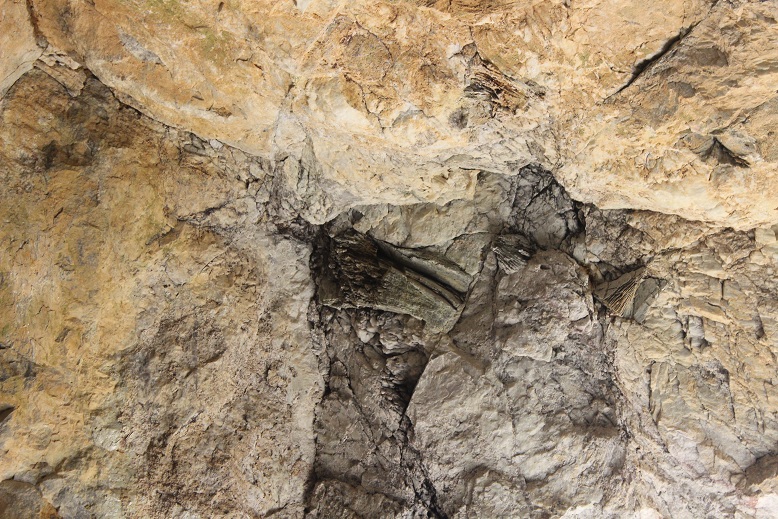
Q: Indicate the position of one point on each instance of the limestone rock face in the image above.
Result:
(17, 39)
(141, 337)
(388, 259)
(665, 107)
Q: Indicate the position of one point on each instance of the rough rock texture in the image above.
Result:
(388, 259)
(151, 321)
(665, 107)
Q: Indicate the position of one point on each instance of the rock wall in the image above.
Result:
(397, 259)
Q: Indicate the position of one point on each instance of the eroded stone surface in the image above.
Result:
(174, 179)
(666, 107)
(158, 362)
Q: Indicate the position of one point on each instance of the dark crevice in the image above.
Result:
(424, 490)
(5, 413)
(347, 377)
(539, 199)
(643, 65)
(724, 155)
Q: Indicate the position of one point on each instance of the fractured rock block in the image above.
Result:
(360, 272)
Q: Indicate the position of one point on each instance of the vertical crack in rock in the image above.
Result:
(424, 489)
(364, 463)
(40, 39)
(372, 360)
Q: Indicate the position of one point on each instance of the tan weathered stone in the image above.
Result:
(172, 172)
(17, 41)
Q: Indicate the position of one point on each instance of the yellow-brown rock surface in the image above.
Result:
(663, 106)
(180, 181)
(137, 334)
